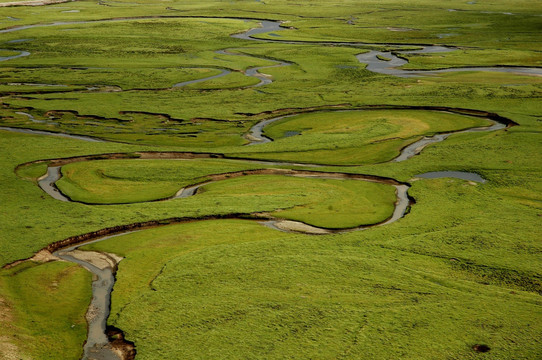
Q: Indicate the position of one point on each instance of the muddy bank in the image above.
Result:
(100, 343)
(99, 235)
(79, 240)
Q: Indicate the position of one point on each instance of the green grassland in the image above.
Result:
(124, 181)
(125, 78)
(461, 268)
(355, 137)
(319, 202)
(306, 297)
(328, 203)
(51, 296)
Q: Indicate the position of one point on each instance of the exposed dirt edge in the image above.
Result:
(461, 111)
(119, 229)
(113, 230)
(125, 349)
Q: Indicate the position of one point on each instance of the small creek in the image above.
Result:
(251, 72)
(416, 147)
(21, 54)
(103, 267)
(255, 71)
(223, 72)
(392, 62)
(256, 136)
(391, 66)
(50, 133)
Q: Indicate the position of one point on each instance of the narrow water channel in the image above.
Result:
(102, 266)
(256, 136)
(51, 133)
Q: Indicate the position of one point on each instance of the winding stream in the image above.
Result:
(370, 58)
(256, 135)
(223, 72)
(47, 183)
(255, 71)
(21, 54)
(416, 147)
(251, 72)
(50, 133)
(103, 265)
(388, 67)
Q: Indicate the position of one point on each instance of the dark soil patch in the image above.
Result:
(481, 348)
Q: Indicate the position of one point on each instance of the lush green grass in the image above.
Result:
(48, 303)
(125, 181)
(462, 268)
(474, 57)
(6, 53)
(32, 171)
(329, 84)
(125, 78)
(383, 58)
(309, 297)
(354, 137)
(321, 202)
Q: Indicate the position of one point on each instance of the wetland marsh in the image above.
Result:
(216, 161)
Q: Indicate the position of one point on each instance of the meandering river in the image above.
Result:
(103, 265)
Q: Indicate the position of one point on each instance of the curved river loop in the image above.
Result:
(103, 266)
